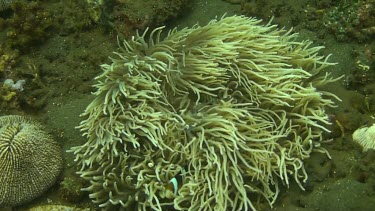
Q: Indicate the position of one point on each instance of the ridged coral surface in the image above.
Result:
(365, 137)
(30, 160)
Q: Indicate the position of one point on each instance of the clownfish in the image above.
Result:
(175, 183)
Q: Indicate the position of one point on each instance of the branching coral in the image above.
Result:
(231, 109)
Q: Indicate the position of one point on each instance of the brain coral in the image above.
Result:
(208, 118)
(30, 160)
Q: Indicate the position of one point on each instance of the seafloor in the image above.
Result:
(59, 68)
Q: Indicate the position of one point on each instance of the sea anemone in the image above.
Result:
(204, 119)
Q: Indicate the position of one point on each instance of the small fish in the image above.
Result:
(174, 185)
(176, 182)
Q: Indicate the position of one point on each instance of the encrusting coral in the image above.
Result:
(205, 119)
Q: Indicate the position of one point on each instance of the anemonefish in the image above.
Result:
(176, 182)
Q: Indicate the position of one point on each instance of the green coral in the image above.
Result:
(70, 189)
(6, 61)
(9, 98)
(127, 16)
(28, 26)
(350, 20)
(95, 8)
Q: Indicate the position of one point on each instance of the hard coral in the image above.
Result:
(28, 26)
(127, 16)
(30, 160)
(351, 20)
